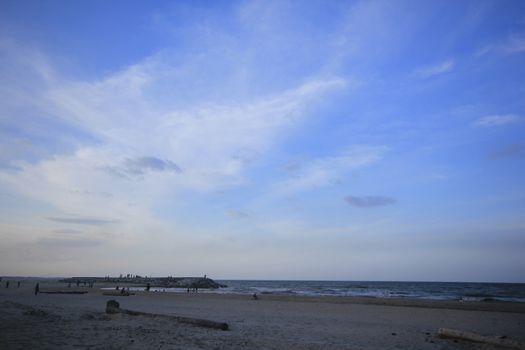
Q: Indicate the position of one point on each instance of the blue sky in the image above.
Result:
(349, 140)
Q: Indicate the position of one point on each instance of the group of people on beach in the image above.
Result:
(8, 282)
(18, 283)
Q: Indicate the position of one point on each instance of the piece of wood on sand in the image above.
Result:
(118, 294)
(474, 337)
(113, 307)
(64, 292)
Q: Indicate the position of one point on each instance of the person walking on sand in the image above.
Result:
(148, 286)
(37, 289)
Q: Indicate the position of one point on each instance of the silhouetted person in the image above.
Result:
(255, 296)
(7, 284)
(148, 286)
(188, 290)
(78, 283)
(117, 288)
(37, 289)
(18, 284)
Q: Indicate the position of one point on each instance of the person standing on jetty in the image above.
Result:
(37, 289)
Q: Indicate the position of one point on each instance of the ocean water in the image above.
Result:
(412, 290)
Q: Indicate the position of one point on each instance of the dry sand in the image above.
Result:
(61, 321)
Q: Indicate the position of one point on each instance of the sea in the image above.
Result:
(514, 292)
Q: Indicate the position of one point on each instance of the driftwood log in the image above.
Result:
(64, 292)
(474, 337)
(113, 307)
(118, 294)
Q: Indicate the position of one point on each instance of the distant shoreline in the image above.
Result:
(414, 292)
(275, 280)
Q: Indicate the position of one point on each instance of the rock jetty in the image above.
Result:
(163, 282)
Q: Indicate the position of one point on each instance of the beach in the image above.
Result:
(62, 321)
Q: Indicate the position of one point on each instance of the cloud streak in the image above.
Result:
(369, 201)
(237, 214)
(329, 171)
(51, 242)
(496, 120)
(433, 70)
(514, 44)
(511, 151)
(68, 231)
(139, 166)
(83, 221)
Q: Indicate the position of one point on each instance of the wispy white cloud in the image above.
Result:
(163, 147)
(496, 120)
(237, 214)
(139, 166)
(68, 242)
(436, 69)
(330, 170)
(369, 201)
(82, 220)
(514, 150)
(68, 231)
(514, 44)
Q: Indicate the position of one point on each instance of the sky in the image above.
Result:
(324, 140)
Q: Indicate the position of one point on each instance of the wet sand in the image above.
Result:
(64, 321)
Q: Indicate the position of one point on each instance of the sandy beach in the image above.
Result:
(63, 321)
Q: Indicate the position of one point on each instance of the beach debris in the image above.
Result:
(113, 307)
(65, 292)
(122, 293)
(502, 341)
